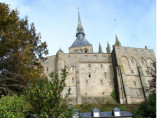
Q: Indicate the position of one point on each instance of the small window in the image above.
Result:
(132, 72)
(101, 65)
(85, 93)
(101, 82)
(47, 69)
(87, 82)
(142, 51)
(89, 65)
(89, 75)
(86, 57)
(69, 57)
(126, 50)
(149, 52)
(95, 57)
(142, 62)
(119, 50)
(147, 72)
(132, 61)
(73, 68)
(103, 57)
(135, 84)
(137, 94)
(105, 75)
(135, 51)
(102, 93)
(73, 80)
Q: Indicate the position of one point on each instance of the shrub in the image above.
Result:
(113, 94)
(13, 106)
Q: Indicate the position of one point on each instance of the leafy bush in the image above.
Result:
(13, 106)
(46, 99)
(146, 109)
(113, 94)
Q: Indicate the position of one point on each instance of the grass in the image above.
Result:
(105, 107)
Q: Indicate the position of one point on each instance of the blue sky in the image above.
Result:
(56, 20)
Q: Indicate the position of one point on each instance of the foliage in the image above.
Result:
(13, 106)
(46, 99)
(146, 109)
(152, 82)
(113, 94)
(20, 46)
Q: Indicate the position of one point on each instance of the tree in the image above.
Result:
(20, 47)
(152, 82)
(147, 109)
(46, 97)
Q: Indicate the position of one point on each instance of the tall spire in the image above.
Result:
(80, 29)
(117, 43)
(100, 48)
(108, 48)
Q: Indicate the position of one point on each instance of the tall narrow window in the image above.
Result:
(137, 94)
(118, 50)
(89, 65)
(132, 61)
(132, 72)
(126, 50)
(89, 75)
(135, 84)
(86, 82)
(86, 57)
(73, 68)
(103, 58)
(149, 52)
(135, 51)
(142, 51)
(101, 82)
(142, 62)
(73, 80)
(69, 57)
(101, 65)
(105, 75)
(95, 57)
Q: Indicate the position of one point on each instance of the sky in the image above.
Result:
(133, 21)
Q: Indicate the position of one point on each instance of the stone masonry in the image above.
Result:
(93, 76)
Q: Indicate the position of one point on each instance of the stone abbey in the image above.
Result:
(94, 76)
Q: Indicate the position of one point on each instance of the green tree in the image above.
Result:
(146, 109)
(46, 97)
(20, 47)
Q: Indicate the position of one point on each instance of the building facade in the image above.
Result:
(92, 76)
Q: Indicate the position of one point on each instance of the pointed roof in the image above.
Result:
(100, 48)
(60, 50)
(108, 48)
(80, 41)
(117, 43)
(79, 26)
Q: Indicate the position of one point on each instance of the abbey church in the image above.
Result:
(94, 76)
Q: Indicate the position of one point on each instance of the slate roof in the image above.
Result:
(106, 114)
(80, 42)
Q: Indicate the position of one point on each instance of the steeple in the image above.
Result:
(100, 48)
(108, 48)
(80, 29)
(117, 43)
